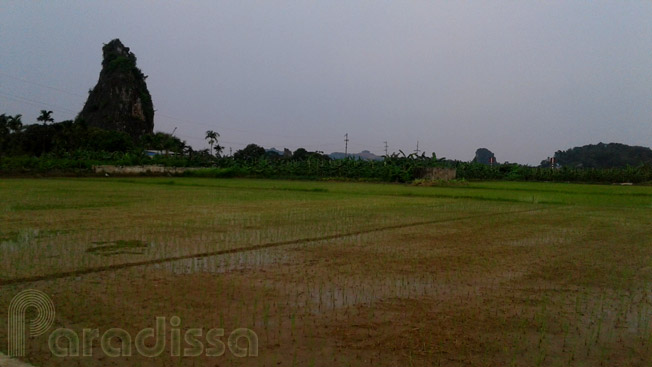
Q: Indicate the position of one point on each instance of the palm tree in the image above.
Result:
(212, 136)
(14, 123)
(4, 125)
(46, 116)
(8, 125)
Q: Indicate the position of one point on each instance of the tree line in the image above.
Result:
(72, 147)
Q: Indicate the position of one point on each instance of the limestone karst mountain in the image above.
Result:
(120, 101)
(484, 156)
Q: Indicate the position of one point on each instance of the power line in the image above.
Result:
(164, 115)
(42, 85)
(41, 104)
(159, 113)
(33, 102)
(215, 126)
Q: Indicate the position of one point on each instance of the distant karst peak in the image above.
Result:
(120, 101)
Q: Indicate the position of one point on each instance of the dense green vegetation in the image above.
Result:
(516, 172)
(73, 147)
(603, 156)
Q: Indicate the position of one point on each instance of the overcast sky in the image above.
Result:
(521, 78)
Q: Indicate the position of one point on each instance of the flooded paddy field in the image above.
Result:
(329, 273)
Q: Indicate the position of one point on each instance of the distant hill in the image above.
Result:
(603, 155)
(365, 155)
(274, 150)
(484, 156)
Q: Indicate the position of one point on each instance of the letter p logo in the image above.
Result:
(16, 320)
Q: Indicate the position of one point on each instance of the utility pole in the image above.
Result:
(231, 151)
(417, 150)
(175, 129)
(386, 148)
(346, 144)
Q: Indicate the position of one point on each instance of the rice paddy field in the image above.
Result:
(332, 273)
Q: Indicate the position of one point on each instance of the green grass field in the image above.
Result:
(339, 274)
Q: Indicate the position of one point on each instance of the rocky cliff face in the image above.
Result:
(120, 101)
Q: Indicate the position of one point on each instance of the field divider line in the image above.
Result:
(98, 269)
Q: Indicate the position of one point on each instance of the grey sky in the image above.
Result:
(522, 78)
